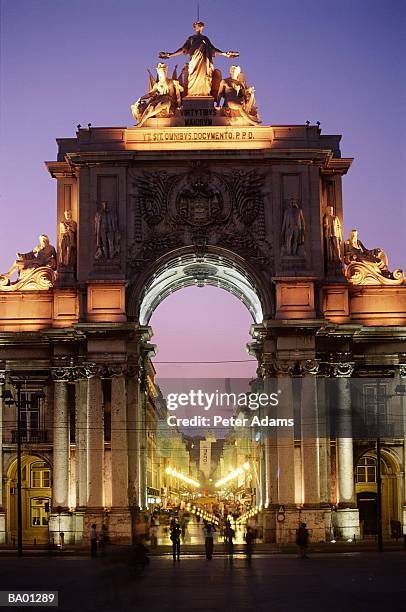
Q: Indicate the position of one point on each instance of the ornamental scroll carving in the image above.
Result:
(36, 270)
(368, 266)
(198, 208)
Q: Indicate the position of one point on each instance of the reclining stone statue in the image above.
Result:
(368, 266)
(36, 269)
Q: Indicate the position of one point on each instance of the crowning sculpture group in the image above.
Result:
(198, 80)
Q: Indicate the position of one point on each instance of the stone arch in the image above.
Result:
(184, 267)
(36, 498)
(391, 491)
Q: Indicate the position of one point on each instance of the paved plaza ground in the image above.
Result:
(341, 582)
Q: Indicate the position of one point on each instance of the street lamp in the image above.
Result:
(9, 400)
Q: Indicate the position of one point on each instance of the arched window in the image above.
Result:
(40, 475)
(366, 470)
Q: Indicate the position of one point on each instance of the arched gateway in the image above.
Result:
(199, 192)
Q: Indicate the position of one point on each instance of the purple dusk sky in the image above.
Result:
(85, 61)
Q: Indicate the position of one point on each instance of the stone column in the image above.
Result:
(119, 443)
(131, 398)
(402, 381)
(81, 440)
(347, 516)
(141, 408)
(2, 512)
(285, 443)
(95, 441)
(310, 435)
(60, 486)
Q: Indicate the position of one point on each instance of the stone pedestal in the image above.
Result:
(118, 523)
(346, 523)
(64, 523)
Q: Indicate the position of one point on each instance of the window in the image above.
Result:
(30, 414)
(40, 475)
(40, 511)
(375, 408)
(366, 470)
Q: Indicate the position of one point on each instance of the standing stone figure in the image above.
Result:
(106, 233)
(333, 236)
(293, 227)
(67, 240)
(201, 53)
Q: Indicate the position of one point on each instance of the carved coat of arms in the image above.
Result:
(200, 200)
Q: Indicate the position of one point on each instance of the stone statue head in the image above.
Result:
(294, 203)
(198, 27)
(43, 240)
(330, 210)
(353, 235)
(162, 71)
(235, 72)
(104, 205)
(68, 215)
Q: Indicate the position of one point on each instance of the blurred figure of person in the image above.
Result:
(229, 535)
(183, 527)
(139, 555)
(104, 538)
(153, 530)
(208, 531)
(249, 543)
(302, 540)
(93, 540)
(175, 533)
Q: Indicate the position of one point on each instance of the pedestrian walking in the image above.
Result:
(229, 535)
(175, 533)
(208, 531)
(302, 540)
(93, 540)
(249, 543)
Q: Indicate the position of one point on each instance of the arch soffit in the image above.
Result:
(184, 267)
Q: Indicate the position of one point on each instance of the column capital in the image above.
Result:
(61, 374)
(342, 369)
(309, 367)
(402, 370)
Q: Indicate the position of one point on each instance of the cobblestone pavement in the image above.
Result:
(325, 582)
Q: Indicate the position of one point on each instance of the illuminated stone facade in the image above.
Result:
(157, 208)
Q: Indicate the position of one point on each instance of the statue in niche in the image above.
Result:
(333, 236)
(163, 97)
(41, 259)
(238, 97)
(106, 232)
(293, 227)
(368, 266)
(200, 69)
(67, 240)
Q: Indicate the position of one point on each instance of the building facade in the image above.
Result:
(198, 194)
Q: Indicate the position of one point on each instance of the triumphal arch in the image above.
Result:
(198, 192)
